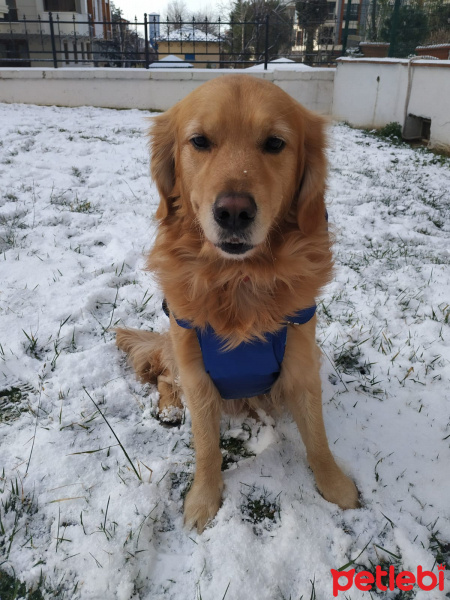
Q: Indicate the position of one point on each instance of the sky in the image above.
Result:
(139, 7)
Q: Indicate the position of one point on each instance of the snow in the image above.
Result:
(171, 61)
(402, 61)
(430, 46)
(283, 64)
(76, 215)
(187, 33)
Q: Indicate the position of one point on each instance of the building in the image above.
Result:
(26, 31)
(329, 35)
(189, 44)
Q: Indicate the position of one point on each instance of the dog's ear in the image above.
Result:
(162, 148)
(311, 211)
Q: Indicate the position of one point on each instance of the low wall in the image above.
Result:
(156, 89)
(364, 92)
(374, 92)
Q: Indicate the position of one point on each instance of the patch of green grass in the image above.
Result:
(76, 204)
(432, 156)
(391, 132)
(181, 483)
(383, 561)
(21, 505)
(385, 564)
(259, 506)
(81, 206)
(348, 360)
(233, 449)
(13, 403)
(9, 226)
(11, 197)
(96, 137)
(440, 549)
(12, 589)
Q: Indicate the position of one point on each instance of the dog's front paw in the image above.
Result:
(339, 489)
(201, 504)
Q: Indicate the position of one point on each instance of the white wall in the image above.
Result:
(373, 92)
(156, 89)
(363, 92)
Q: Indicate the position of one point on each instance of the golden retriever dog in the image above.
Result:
(241, 253)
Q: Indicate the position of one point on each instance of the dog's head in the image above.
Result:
(239, 156)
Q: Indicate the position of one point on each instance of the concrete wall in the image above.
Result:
(156, 89)
(374, 92)
(363, 92)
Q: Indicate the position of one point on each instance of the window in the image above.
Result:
(331, 9)
(66, 52)
(14, 49)
(299, 38)
(60, 6)
(12, 14)
(354, 9)
(326, 35)
(189, 57)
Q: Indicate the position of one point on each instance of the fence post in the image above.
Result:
(347, 22)
(266, 47)
(52, 35)
(147, 57)
(394, 30)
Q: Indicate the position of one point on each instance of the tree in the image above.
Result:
(177, 11)
(125, 47)
(311, 15)
(411, 29)
(246, 36)
(206, 21)
(178, 16)
(438, 21)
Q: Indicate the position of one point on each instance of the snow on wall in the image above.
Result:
(362, 92)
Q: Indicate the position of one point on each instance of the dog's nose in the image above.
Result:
(234, 212)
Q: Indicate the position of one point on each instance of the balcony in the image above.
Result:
(66, 24)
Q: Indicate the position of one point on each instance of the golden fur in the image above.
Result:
(241, 297)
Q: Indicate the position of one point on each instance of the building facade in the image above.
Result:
(189, 44)
(29, 38)
(330, 36)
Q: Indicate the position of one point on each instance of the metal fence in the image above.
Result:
(81, 41)
(406, 24)
(140, 44)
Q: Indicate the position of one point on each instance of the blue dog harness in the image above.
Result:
(251, 368)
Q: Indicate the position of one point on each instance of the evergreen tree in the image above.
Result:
(311, 15)
(124, 48)
(247, 34)
(412, 29)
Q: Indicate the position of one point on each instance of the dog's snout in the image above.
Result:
(234, 212)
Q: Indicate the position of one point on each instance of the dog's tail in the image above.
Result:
(147, 352)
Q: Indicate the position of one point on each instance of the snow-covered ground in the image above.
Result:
(76, 216)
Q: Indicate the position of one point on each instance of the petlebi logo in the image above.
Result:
(384, 580)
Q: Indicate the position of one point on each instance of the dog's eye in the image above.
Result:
(200, 142)
(274, 145)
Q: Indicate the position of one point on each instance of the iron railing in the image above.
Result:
(405, 24)
(57, 41)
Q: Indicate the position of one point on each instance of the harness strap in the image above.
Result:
(299, 318)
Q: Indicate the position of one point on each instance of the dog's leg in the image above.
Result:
(301, 388)
(150, 354)
(204, 498)
(170, 405)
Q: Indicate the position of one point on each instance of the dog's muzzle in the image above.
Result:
(234, 213)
